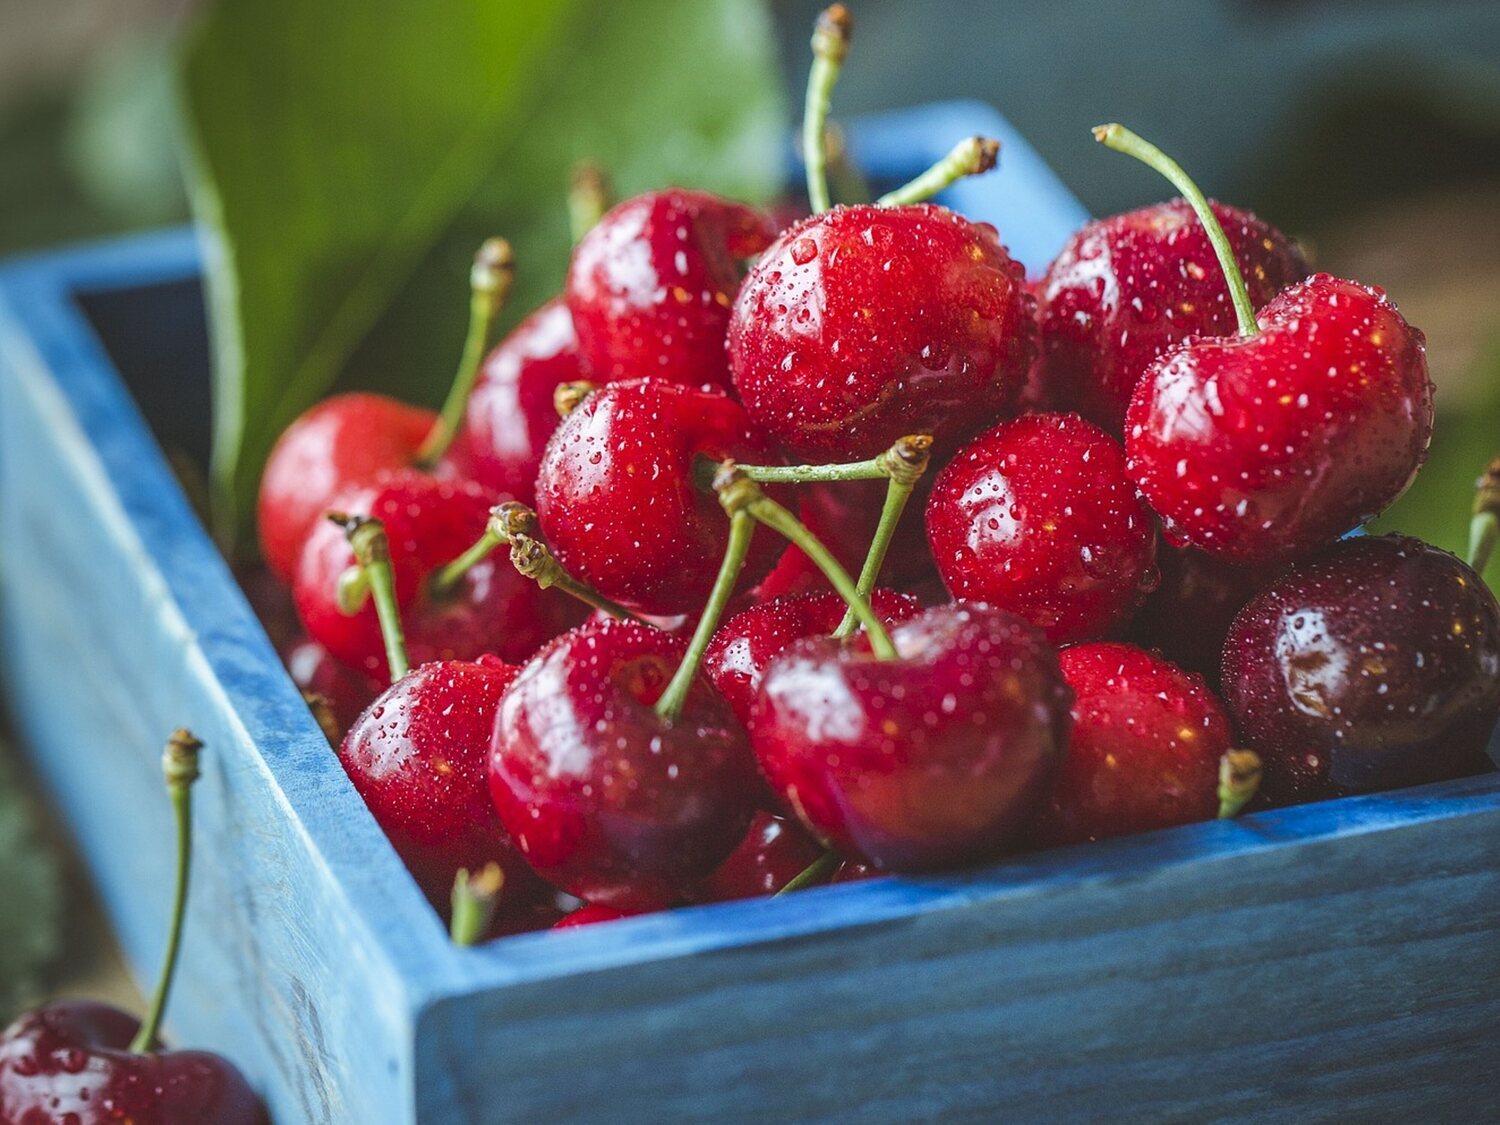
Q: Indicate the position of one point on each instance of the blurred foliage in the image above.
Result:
(30, 896)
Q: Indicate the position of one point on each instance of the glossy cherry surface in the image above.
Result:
(342, 441)
(1144, 752)
(1189, 615)
(71, 1062)
(1260, 449)
(651, 285)
(1126, 288)
(1037, 516)
(348, 691)
(773, 853)
(590, 914)
(617, 499)
(864, 324)
(933, 759)
(1374, 665)
(605, 798)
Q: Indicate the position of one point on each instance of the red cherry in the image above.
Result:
(1373, 665)
(1145, 749)
(1037, 517)
(342, 441)
(650, 286)
(510, 414)
(933, 759)
(605, 798)
(1261, 448)
(71, 1062)
(347, 690)
(1127, 288)
(864, 324)
(736, 659)
(589, 914)
(773, 853)
(1189, 615)
(618, 504)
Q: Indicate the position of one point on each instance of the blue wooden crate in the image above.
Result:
(1336, 959)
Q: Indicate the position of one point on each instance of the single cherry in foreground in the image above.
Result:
(1373, 665)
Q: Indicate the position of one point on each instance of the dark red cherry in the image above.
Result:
(650, 286)
(71, 1062)
(511, 414)
(736, 659)
(1373, 665)
(932, 759)
(1127, 288)
(1145, 749)
(348, 691)
(617, 500)
(342, 441)
(1258, 449)
(1189, 615)
(1038, 517)
(418, 758)
(604, 797)
(864, 324)
(773, 853)
(589, 914)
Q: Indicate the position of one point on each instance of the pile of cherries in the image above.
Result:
(637, 618)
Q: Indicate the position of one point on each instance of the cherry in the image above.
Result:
(1189, 615)
(589, 914)
(1373, 665)
(617, 499)
(1037, 516)
(650, 285)
(773, 853)
(346, 691)
(1145, 750)
(1127, 288)
(933, 758)
(606, 798)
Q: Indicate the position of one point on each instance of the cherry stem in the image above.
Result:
(445, 579)
(475, 898)
(180, 766)
(567, 396)
(1121, 139)
(1239, 779)
(533, 559)
(738, 492)
(830, 46)
(845, 177)
(372, 550)
(1484, 529)
(590, 195)
(490, 280)
(707, 468)
(972, 156)
(741, 529)
(818, 871)
(904, 463)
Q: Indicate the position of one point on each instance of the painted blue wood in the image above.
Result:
(1330, 960)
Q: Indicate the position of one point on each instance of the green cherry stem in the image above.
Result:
(373, 553)
(590, 195)
(846, 179)
(474, 900)
(818, 871)
(533, 559)
(567, 396)
(904, 463)
(1239, 778)
(674, 696)
(1484, 528)
(489, 284)
(707, 469)
(830, 46)
(180, 766)
(1121, 139)
(972, 156)
(446, 578)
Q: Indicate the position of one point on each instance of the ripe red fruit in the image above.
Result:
(1126, 288)
(342, 441)
(933, 759)
(1373, 665)
(589, 914)
(650, 286)
(864, 324)
(618, 503)
(1189, 615)
(773, 853)
(604, 797)
(1144, 752)
(347, 690)
(1038, 517)
(1257, 449)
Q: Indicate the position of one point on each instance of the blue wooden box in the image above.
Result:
(1333, 960)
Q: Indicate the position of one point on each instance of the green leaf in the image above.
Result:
(350, 155)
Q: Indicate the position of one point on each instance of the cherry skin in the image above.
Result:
(1145, 749)
(773, 853)
(605, 798)
(736, 659)
(617, 499)
(1260, 449)
(650, 286)
(1037, 516)
(864, 324)
(71, 1062)
(1373, 665)
(1189, 615)
(930, 760)
(1126, 288)
(418, 758)
(590, 914)
(348, 691)
(342, 441)
(510, 414)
